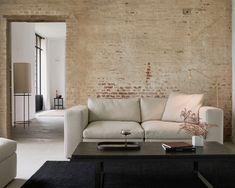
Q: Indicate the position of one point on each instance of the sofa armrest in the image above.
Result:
(213, 116)
(76, 119)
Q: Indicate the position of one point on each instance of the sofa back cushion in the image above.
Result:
(177, 102)
(152, 108)
(114, 110)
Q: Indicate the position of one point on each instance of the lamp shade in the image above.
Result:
(22, 78)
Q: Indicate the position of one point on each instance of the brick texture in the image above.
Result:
(131, 48)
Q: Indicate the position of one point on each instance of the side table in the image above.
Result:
(58, 103)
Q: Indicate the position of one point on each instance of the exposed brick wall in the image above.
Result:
(131, 48)
(3, 78)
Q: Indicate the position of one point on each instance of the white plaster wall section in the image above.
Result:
(23, 50)
(56, 60)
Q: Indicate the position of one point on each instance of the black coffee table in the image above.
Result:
(204, 167)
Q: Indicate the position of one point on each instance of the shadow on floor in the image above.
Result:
(16, 183)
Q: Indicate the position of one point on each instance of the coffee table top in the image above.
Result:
(154, 150)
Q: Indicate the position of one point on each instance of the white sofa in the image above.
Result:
(7, 161)
(103, 120)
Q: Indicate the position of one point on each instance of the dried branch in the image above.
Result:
(192, 125)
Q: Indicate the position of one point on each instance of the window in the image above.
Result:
(38, 65)
(38, 72)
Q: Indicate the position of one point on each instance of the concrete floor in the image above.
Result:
(43, 140)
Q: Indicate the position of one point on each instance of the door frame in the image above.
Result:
(21, 18)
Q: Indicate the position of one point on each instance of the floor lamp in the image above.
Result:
(209, 78)
(22, 88)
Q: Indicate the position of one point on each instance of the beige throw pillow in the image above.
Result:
(177, 102)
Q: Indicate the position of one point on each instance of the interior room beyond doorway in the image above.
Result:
(42, 46)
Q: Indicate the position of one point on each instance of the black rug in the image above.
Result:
(63, 174)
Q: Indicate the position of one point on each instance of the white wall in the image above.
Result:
(56, 67)
(23, 50)
(45, 90)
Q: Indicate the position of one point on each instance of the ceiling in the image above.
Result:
(51, 30)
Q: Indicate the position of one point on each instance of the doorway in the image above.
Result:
(43, 46)
(6, 109)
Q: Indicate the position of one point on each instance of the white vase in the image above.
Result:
(197, 141)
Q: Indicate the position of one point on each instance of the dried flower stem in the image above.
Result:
(192, 125)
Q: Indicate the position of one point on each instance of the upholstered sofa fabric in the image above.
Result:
(114, 110)
(7, 148)
(148, 119)
(7, 161)
(177, 102)
(112, 130)
(213, 116)
(75, 121)
(159, 130)
(152, 108)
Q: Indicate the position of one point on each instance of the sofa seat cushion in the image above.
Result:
(112, 130)
(163, 130)
(7, 148)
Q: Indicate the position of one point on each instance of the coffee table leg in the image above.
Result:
(195, 166)
(99, 175)
(200, 176)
